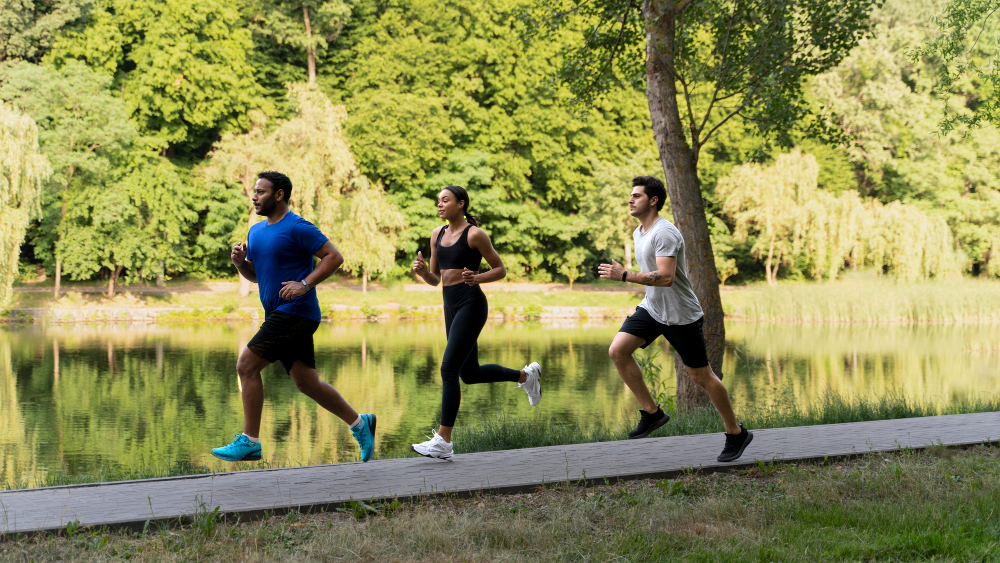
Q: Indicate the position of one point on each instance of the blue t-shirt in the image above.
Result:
(284, 252)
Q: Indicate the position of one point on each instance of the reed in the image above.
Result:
(866, 298)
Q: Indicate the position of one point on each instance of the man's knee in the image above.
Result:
(245, 368)
(701, 376)
(306, 380)
(619, 352)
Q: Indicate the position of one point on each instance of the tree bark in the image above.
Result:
(161, 275)
(767, 266)
(111, 280)
(62, 217)
(364, 282)
(245, 283)
(680, 166)
(310, 49)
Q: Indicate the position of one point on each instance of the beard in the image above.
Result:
(266, 206)
(641, 210)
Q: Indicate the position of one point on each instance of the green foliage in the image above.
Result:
(651, 374)
(796, 222)
(84, 131)
(181, 66)
(967, 54)
(23, 170)
(412, 96)
(130, 225)
(28, 27)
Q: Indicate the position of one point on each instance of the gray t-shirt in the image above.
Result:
(677, 304)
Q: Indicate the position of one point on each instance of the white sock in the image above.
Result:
(252, 439)
(357, 422)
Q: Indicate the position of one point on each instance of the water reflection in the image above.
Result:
(74, 398)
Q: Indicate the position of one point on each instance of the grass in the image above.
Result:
(938, 505)
(503, 432)
(866, 298)
(857, 298)
(194, 303)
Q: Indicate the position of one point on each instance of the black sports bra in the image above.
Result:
(459, 255)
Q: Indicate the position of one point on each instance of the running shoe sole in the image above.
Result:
(252, 457)
(657, 424)
(446, 458)
(739, 453)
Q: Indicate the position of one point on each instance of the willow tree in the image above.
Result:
(310, 147)
(764, 202)
(23, 171)
(369, 231)
(705, 63)
(793, 221)
(82, 127)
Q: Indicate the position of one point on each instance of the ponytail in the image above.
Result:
(462, 195)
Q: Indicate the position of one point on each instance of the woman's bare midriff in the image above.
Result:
(451, 277)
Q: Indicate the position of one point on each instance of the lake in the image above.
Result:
(74, 398)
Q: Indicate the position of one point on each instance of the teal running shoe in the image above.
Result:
(365, 435)
(241, 449)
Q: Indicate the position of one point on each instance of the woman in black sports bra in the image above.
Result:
(456, 252)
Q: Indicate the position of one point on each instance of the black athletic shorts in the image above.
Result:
(687, 340)
(285, 338)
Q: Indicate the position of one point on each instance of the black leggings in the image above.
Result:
(465, 312)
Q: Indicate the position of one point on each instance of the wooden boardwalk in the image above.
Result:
(133, 504)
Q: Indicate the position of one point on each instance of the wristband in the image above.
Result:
(625, 273)
(305, 283)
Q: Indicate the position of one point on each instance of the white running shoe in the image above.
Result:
(435, 447)
(532, 385)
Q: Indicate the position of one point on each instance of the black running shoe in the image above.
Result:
(735, 444)
(649, 422)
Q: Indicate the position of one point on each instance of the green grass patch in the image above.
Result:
(503, 432)
(866, 298)
(938, 505)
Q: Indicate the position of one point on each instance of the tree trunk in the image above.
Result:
(628, 262)
(58, 277)
(310, 49)
(767, 265)
(111, 281)
(364, 282)
(245, 283)
(161, 276)
(680, 168)
(62, 217)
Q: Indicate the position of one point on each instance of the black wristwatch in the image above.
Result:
(625, 273)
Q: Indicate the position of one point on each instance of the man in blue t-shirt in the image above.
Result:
(279, 257)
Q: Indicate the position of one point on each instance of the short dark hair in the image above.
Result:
(653, 187)
(278, 182)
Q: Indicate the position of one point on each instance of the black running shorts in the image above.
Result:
(687, 340)
(285, 338)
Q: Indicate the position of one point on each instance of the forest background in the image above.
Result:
(132, 132)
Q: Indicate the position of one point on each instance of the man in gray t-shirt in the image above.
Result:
(670, 309)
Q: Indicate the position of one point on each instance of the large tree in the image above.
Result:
(23, 170)
(707, 62)
(29, 27)
(307, 25)
(133, 224)
(967, 49)
(311, 147)
(181, 66)
(82, 129)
